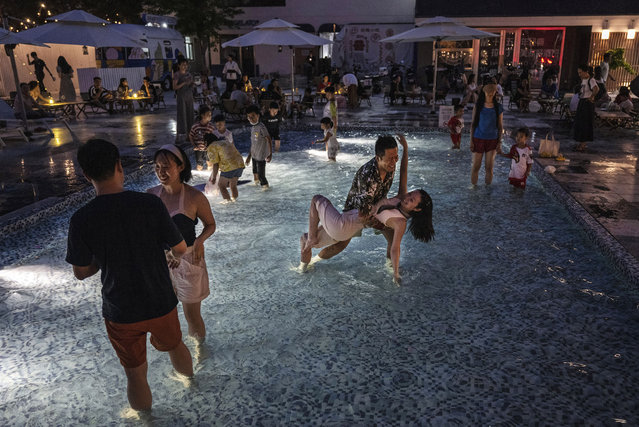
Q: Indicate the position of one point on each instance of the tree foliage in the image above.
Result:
(617, 60)
(201, 18)
(125, 11)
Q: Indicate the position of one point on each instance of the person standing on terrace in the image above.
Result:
(123, 234)
(585, 115)
(183, 86)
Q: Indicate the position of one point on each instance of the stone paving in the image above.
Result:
(604, 180)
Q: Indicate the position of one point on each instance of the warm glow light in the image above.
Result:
(631, 34)
(135, 95)
(605, 34)
(51, 101)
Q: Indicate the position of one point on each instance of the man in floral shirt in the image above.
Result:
(371, 184)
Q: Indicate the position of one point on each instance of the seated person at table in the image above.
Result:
(30, 106)
(34, 91)
(148, 90)
(523, 95)
(266, 80)
(623, 99)
(240, 97)
(324, 83)
(397, 90)
(276, 87)
(246, 85)
(123, 88)
(123, 93)
(549, 88)
(100, 97)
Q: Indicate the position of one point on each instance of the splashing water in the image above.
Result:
(509, 315)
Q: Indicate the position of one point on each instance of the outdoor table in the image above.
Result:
(613, 119)
(126, 100)
(67, 109)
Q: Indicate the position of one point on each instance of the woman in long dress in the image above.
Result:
(183, 86)
(65, 72)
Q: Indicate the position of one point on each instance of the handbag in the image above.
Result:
(549, 147)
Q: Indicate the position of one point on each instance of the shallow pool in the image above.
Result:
(511, 316)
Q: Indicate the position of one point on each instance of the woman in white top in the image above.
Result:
(585, 115)
(186, 205)
(393, 213)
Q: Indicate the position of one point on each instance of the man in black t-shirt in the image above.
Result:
(124, 234)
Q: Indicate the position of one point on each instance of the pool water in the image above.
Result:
(510, 316)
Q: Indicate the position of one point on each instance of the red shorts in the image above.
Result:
(456, 138)
(518, 182)
(129, 339)
(484, 145)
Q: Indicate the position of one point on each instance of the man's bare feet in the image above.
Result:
(306, 253)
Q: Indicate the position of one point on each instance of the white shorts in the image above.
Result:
(335, 226)
(191, 279)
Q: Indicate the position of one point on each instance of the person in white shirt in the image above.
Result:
(240, 96)
(350, 83)
(585, 115)
(231, 72)
(605, 68)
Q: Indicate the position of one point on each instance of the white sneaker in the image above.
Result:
(265, 187)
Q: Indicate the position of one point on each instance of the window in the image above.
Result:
(188, 44)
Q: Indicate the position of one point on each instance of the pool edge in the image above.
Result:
(623, 261)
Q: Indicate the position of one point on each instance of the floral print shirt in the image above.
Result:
(368, 188)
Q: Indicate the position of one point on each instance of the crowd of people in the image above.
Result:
(155, 258)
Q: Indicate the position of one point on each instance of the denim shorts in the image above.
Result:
(235, 173)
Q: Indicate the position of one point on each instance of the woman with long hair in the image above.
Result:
(183, 85)
(485, 133)
(585, 115)
(412, 210)
(186, 205)
(65, 72)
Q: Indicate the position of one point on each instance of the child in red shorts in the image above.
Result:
(456, 124)
(521, 156)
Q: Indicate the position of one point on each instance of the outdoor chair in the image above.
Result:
(88, 101)
(8, 121)
(160, 96)
(366, 95)
(306, 107)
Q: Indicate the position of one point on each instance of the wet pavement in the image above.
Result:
(604, 180)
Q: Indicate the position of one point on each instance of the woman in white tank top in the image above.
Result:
(392, 213)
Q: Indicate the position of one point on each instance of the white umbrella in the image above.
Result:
(80, 28)
(10, 40)
(437, 29)
(278, 32)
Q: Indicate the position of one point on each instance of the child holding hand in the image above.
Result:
(455, 125)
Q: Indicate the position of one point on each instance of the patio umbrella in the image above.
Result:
(10, 40)
(80, 28)
(434, 30)
(278, 32)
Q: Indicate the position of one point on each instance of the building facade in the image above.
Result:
(536, 35)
